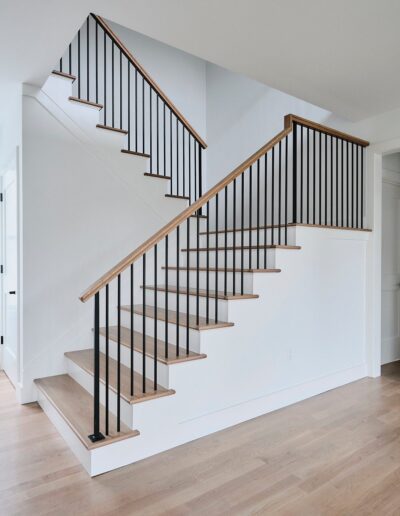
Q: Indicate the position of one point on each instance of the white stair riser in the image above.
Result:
(162, 369)
(247, 263)
(172, 303)
(194, 335)
(247, 279)
(86, 380)
(263, 236)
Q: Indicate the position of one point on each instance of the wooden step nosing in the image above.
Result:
(134, 153)
(85, 102)
(173, 196)
(131, 401)
(182, 321)
(64, 75)
(230, 270)
(245, 247)
(220, 295)
(157, 176)
(110, 128)
(167, 361)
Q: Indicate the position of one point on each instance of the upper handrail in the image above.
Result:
(149, 79)
(190, 210)
(290, 119)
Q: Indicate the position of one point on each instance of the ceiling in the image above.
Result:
(338, 54)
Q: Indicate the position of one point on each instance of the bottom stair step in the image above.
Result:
(85, 359)
(75, 405)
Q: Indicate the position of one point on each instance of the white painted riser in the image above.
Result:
(172, 303)
(162, 369)
(212, 238)
(271, 263)
(247, 280)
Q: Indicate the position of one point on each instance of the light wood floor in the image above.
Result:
(334, 454)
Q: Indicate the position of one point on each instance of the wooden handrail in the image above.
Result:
(290, 119)
(185, 214)
(149, 79)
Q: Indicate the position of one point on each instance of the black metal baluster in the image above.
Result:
(352, 185)
(320, 178)
(177, 157)
(70, 59)
(265, 207)
(294, 174)
(357, 185)
(97, 63)
(97, 435)
(107, 371)
(216, 260)
(286, 186)
(105, 79)
(195, 172)
(166, 296)
(183, 162)
(326, 179)
(79, 64)
(119, 354)
(151, 131)
(120, 89)
(87, 59)
(187, 284)
(198, 268)
(250, 214)
(226, 242)
(155, 317)
(164, 142)
(242, 235)
(234, 238)
(208, 264)
(337, 182)
(157, 135)
(143, 119)
(136, 110)
(258, 214)
(279, 191)
(132, 332)
(112, 84)
(200, 172)
(301, 173)
(129, 104)
(362, 187)
(273, 196)
(331, 181)
(314, 177)
(144, 325)
(308, 175)
(347, 185)
(177, 288)
(170, 151)
(342, 186)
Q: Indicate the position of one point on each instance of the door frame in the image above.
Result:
(14, 159)
(373, 221)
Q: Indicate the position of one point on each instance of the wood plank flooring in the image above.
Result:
(334, 454)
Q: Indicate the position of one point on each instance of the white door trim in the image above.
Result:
(374, 252)
(15, 159)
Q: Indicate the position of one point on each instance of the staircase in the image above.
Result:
(176, 322)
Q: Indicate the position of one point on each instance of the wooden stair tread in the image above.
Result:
(202, 292)
(173, 196)
(172, 317)
(86, 102)
(84, 359)
(64, 74)
(220, 269)
(238, 248)
(159, 176)
(75, 405)
(277, 226)
(172, 358)
(135, 153)
(110, 128)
